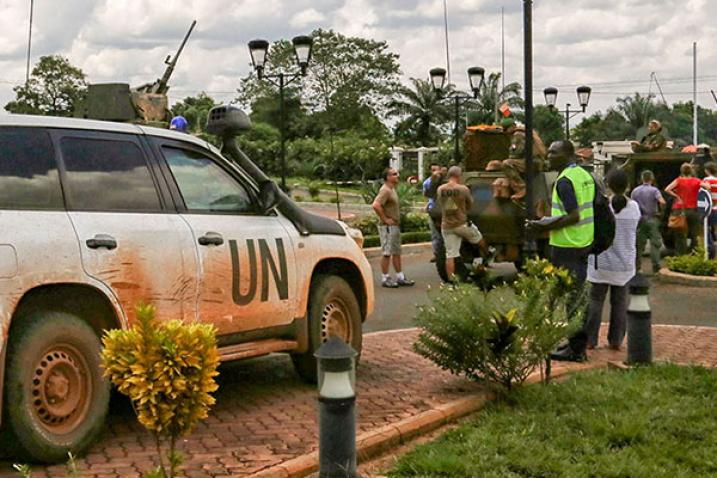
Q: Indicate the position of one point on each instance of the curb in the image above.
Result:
(406, 249)
(667, 276)
(376, 442)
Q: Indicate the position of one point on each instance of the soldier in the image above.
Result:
(652, 141)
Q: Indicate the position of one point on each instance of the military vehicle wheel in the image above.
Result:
(333, 311)
(55, 396)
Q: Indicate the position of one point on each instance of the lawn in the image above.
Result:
(651, 422)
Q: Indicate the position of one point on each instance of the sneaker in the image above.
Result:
(390, 284)
(405, 282)
(568, 355)
(433, 260)
(492, 252)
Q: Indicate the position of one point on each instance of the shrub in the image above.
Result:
(168, 371)
(693, 264)
(298, 198)
(368, 224)
(500, 336)
(407, 238)
(314, 188)
(414, 222)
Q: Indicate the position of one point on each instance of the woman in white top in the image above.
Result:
(614, 268)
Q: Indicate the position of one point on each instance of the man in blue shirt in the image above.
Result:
(649, 198)
(430, 187)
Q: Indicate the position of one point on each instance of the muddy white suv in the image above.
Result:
(97, 216)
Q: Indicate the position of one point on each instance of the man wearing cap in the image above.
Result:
(652, 141)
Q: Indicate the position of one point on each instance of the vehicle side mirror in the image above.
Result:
(269, 195)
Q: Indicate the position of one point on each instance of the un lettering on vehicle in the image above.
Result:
(259, 256)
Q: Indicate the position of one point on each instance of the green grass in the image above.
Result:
(652, 422)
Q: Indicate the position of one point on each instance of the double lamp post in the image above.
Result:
(476, 76)
(551, 97)
(258, 50)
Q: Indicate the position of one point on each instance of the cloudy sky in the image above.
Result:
(611, 45)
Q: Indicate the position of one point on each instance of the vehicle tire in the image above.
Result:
(56, 399)
(333, 311)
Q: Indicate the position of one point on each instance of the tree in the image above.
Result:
(54, 88)
(421, 110)
(491, 96)
(612, 126)
(637, 110)
(267, 109)
(195, 110)
(549, 124)
(347, 77)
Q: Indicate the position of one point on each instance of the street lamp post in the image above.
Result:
(476, 75)
(258, 50)
(551, 97)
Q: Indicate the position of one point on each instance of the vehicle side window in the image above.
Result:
(107, 175)
(204, 185)
(29, 178)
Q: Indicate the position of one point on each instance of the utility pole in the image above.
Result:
(694, 93)
(530, 247)
(445, 29)
(29, 43)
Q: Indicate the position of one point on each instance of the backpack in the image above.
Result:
(604, 222)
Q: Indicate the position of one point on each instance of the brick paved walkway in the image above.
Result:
(265, 415)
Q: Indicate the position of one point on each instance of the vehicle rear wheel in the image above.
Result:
(333, 311)
(55, 396)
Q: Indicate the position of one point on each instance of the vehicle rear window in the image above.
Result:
(104, 175)
(28, 172)
(204, 185)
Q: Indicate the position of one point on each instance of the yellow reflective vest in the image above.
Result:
(580, 234)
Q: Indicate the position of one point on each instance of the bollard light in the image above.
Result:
(639, 322)
(337, 405)
(336, 361)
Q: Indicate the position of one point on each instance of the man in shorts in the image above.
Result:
(387, 209)
(456, 200)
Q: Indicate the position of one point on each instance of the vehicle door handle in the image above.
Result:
(102, 240)
(211, 239)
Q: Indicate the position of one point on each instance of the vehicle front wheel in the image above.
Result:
(333, 311)
(56, 399)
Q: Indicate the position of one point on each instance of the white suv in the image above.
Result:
(96, 217)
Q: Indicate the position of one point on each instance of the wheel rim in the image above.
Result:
(61, 389)
(336, 321)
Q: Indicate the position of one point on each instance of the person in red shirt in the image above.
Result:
(685, 189)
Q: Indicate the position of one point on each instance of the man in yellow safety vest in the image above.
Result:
(572, 229)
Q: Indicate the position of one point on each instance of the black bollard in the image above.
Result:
(337, 410)
(639, 322)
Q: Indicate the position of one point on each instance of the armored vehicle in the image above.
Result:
(146, 104)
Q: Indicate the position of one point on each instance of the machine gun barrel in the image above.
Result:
(162, 86)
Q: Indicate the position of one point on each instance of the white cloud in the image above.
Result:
(612, 45)
(307, 18)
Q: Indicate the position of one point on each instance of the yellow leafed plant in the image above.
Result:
(168, 371)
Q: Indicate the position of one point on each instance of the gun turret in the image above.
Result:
(161, 86)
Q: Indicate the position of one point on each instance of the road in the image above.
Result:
(395, 308)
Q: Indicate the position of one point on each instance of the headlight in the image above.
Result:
(356, 235)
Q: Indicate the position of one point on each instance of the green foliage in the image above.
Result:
(262, 144)
(314, 189)
(345, 156)
(649, 422)
(347, 77)
(54, 89)
(421, 112)
(500, 336)
(549, 124)
(408, 194)
(168, 371)
(25, 471)
(693, 264)
(412, 222)
(492, 95)
(195, 110)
